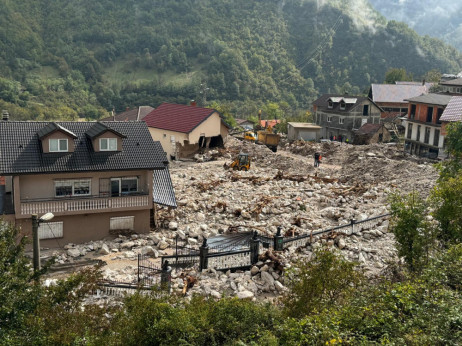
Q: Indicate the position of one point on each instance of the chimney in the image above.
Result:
(5, 115)
(193, 103)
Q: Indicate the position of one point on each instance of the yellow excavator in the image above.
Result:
(241, 163)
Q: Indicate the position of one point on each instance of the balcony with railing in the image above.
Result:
(79, 205)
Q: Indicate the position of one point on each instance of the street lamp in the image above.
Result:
(35, 238)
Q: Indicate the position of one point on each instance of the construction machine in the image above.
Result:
(241, 163)
(266, 136)
(250, 136)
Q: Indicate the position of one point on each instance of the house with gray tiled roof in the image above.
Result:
(97, 178)
(423, 135)
(340, 116)
(183, 130)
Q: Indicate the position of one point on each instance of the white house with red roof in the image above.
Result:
(183, 130)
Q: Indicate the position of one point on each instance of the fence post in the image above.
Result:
(203, 253)
(278, 240)
(139, 255)
(254, 248)
(166, 276)
(353, 221)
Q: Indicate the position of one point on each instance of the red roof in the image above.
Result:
(179, 118)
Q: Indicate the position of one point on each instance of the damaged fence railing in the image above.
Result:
(245, 253)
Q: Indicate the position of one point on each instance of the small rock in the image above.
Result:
(74, 252)
(245, 295)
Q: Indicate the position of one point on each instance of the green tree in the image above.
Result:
(324, 281)
(447, 204)
(397, 74)
(413, 233)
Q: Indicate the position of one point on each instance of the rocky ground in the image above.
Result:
(281, 189)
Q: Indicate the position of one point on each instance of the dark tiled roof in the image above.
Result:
(99, 128)
(21, 152)
(162, 189)
(368, 129)
(322, 103)
(453, 111)
(135, 114)
(432, 99)
(396, 93)
(178, 118)
(53, 127)
(390, 116)
(454, 82)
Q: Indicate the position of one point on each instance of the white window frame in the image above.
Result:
(111, 144)
(58, 141)
(341, 121)
(72, 183)
(342, 106)
(115, 222)
(50, 230)
(329, 119)
(330, 104)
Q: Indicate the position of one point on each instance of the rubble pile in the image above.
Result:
(281, 189)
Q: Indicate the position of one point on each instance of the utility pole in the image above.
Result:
(36, 242)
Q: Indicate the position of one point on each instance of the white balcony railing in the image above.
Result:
(83, 205)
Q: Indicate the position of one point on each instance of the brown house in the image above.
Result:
(96, 178)
(372, 133)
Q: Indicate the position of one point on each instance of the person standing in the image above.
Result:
(317, 159)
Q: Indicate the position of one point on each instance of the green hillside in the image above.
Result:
(63, 59)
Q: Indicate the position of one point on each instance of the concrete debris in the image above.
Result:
(281, 189)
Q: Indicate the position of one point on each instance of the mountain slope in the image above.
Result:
(67, 58)
(436, 18)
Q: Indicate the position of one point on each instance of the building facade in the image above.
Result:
(423, 135)
(96, 178)
(340, 116)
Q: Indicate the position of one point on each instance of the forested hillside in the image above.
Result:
(436, 18)
(64, 59)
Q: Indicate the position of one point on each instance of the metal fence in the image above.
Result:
(242, 251)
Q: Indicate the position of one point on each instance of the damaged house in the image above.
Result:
(96, 178)
(183, 130)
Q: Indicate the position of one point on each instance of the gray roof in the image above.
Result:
(396, 93)
(453, 111)
(53, 127)
(21, 151)
(305, 125)
(162, 189)
(455, 82)
(433, 99)
(135, 114)
(323, 102)
(99, 128)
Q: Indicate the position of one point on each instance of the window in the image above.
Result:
(427, 135)
(342, 105)
(341, 120)
(122, 223)
(330, 104)
(329, 119)
(58, 145)
(366, 110)
(418, 133)
(436, 138)
(165, 135)
(409, 131)
(124, 186)
(412, 113)
(72, 187)
(429, 114)
(50, 230)
(108, 144)
(438, 115)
